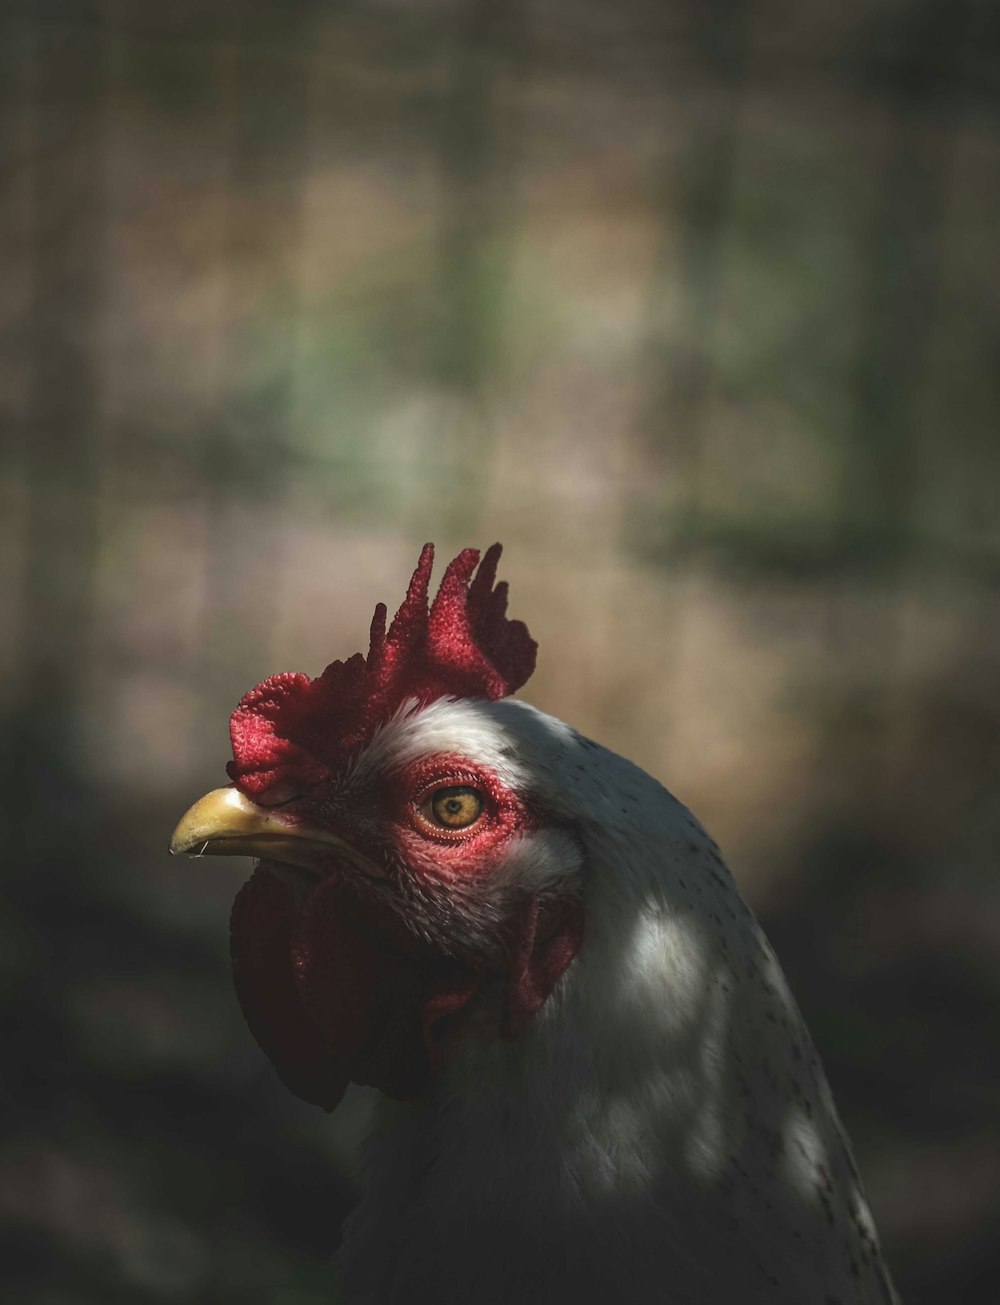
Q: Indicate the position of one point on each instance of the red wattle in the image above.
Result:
(338, 991)
(264, 920)
(371, 986)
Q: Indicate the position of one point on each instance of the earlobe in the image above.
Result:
(545, 937)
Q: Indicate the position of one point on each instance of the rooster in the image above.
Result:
(595, 1084)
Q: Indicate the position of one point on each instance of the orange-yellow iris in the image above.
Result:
(457, 807)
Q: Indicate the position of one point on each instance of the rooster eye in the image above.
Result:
(456, 807)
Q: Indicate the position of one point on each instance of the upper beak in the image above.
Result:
(225, 823)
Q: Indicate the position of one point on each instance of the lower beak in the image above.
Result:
(225, 823)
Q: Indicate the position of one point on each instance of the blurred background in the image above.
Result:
(693, 306)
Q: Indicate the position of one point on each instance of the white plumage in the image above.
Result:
(663, 1130)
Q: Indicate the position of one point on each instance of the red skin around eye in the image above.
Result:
(453, 853)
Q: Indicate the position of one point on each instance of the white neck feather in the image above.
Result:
(663, 1131)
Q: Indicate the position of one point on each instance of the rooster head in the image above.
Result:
(409, 870)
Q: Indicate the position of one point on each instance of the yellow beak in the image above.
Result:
(225, 823)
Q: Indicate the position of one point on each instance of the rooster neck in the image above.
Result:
(663, 1130)
(678, 1142)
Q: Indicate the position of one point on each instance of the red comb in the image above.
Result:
(297, 730)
